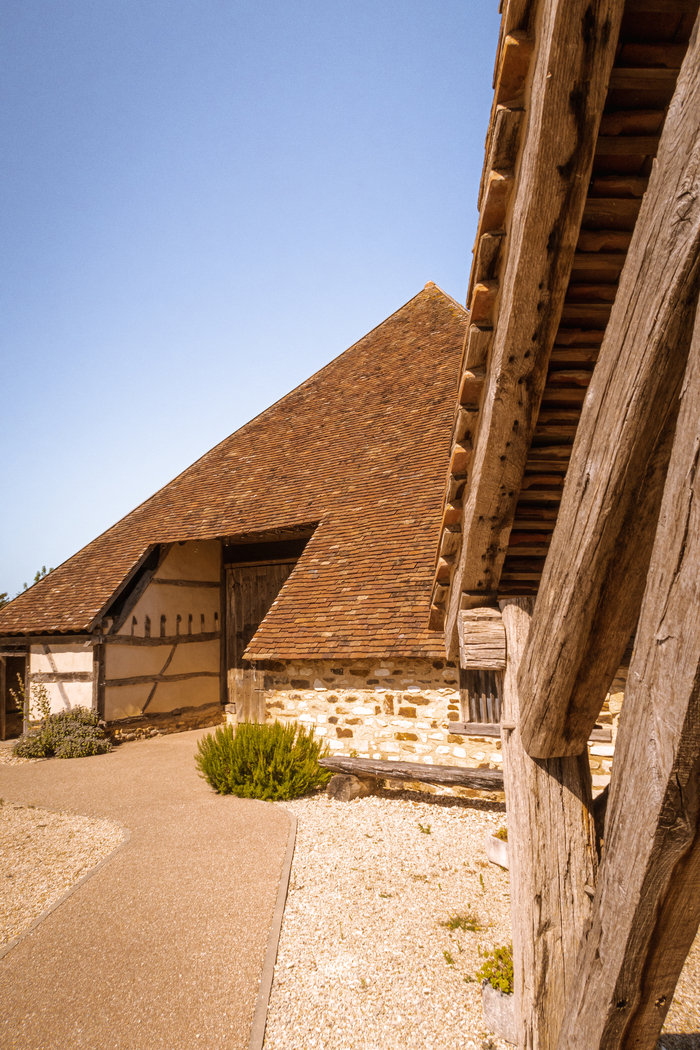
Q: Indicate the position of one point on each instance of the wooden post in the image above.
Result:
(647, 903)
(552, 849)
(594, 576)
(3, 698)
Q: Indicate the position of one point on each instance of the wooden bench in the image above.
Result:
(449, 776)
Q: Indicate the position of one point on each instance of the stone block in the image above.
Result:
(344, 787)
(405, 736)
(499, 1013)
(343, 732)
(407, 712)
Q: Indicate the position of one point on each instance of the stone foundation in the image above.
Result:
(160, 723)
(386, 709)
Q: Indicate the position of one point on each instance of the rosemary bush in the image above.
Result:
(497, 969)
(68, 734)
(262, 761)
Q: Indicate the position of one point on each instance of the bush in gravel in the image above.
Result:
(262, 761)
(68, 734)
(497, 968)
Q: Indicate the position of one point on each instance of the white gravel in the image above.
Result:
(42, 854)
(361, 962)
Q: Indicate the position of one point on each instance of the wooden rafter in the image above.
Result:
(554, 170)
(595, 571)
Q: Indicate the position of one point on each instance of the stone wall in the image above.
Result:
(389, 709)
(399, 710)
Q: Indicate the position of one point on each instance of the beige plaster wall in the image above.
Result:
(198, 609)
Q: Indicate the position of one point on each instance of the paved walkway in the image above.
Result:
(163, 947)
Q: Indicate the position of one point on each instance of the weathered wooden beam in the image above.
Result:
(600, 735)
(481, 779)
(554, 171)
(146, 679)
(482, 640)
(594, 576)
(647, 902)
(169, 639)
(552, 848)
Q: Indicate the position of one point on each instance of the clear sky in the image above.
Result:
(203, 202)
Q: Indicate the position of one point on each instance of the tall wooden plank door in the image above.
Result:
(250, 592)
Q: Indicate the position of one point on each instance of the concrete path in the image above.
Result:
(163, 946)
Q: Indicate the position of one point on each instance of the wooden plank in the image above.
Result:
(552, 849)
(627, 145)
(481, 779)
(168, 639)
(594, 576)
(599, 735)
(185, 583)
(25, 641)
(647, 902)
(144, 679)
(482, 640)
(61, 676)
(554, 171)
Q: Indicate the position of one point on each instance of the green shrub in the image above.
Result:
(262, 761)
(68, 734)
(502, 834)
(497, 969)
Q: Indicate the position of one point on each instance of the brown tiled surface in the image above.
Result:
(361, 447)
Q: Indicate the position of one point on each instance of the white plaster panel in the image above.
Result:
(164, 599)
(194, 560)
(193, 692)
(127, 661)
(77, 694)
(65, 657)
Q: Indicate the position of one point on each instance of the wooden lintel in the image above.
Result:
(60, 676)
(554, 171)
(185, 583)
(599, 735)
(594, 576)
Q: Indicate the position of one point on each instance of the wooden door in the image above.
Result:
(250, 592)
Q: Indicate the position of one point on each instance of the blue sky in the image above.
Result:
(203, 202)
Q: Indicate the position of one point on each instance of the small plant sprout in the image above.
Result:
(386, 894)
(425, 828)
(468, 922)
(448, 958)
(481, 880)
(363, 984)
(497, 968)
(501, 834)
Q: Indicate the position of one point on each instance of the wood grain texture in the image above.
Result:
(575, 52)
(552, 847)
(647, 903)
(595, 572)
(482, 779)
(482, 640)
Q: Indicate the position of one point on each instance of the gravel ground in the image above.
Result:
(42, 854)
(362, 962)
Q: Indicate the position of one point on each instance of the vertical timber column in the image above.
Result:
(552, 848)
(647, 904)
(3, 697)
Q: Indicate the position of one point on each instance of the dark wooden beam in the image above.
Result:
(575, 52)
(595, 572)
(647, 901)
(481, 779)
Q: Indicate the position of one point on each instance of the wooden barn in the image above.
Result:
(288, 571)
(568, 568)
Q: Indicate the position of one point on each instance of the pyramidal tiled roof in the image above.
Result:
(361, 448)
